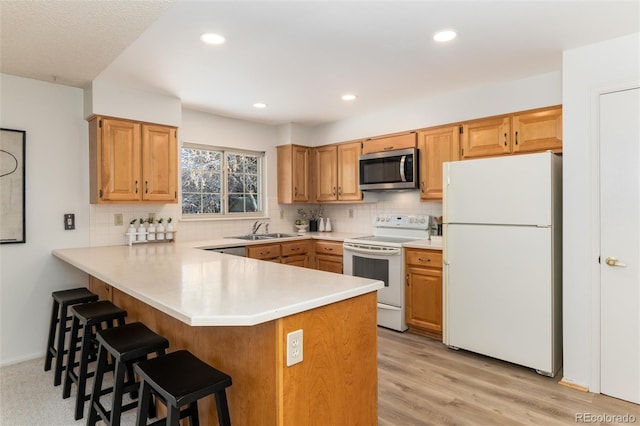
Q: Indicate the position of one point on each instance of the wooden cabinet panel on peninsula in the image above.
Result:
(293, 174)
(337, 172)
(524, 132)
(423, 291)
(294, 253)
(436, 145)
(132, 161)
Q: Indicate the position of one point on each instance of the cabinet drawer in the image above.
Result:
(328, 247)
(298, 247)
(266, 251)
(426, 258)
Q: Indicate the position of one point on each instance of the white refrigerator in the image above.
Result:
(502, 294)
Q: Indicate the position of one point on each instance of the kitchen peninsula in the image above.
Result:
(235, 313)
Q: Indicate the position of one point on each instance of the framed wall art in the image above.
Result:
(12, 186)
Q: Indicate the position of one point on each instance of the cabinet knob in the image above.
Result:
(334, 191)
(505, 139)
(407, 279)
(516, 141)
(424, 259)
(146, 186)
(329, 248)
(136, 187)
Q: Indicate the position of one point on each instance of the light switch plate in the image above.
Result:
(69, 221)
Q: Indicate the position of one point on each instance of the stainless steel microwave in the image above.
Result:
(387, 170)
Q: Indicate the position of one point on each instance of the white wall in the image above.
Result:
(500, 98)
(588, 71)
(57, 171)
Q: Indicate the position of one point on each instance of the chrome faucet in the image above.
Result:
(256, 226)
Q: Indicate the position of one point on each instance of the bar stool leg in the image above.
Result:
(173, 415)
(82, 375)
(52, 334)
(222, 408)
(71, 359)
(143, 403)
(194, 418)
(93, 417)
(62, 332)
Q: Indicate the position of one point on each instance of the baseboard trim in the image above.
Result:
(573, 386)
(24, 358)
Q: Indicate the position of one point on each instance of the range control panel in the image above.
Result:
(401, 221)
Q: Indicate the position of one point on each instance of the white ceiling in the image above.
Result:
(299, 57)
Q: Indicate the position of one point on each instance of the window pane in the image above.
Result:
(203, 185)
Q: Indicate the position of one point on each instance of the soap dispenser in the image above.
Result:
(327, 226)
(321, 225)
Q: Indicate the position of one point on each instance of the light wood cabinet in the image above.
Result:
(538, 131)
(132, 162)
(328, 255)
(269, 252)
(423, 291)
(102, 289)
(337, 172)
(293, 174)
(389, 143)
(436, 146)
(525, 132)
(295, 253)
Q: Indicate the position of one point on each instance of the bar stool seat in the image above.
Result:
(62, 299)
(93, 317)
(180, 379)
(126, 344)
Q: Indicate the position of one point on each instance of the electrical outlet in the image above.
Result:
(294, 347)
(350, 213)
(152, 216)
(117, 219)
(281, 214)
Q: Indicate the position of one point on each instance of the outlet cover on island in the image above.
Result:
(294, 347)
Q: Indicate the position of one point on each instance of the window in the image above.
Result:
(219, 182)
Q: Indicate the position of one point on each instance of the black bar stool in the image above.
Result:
(126, 344)
(59, 317)
(180, 379)
(93, 317)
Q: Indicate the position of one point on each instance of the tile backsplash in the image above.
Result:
(356, 218)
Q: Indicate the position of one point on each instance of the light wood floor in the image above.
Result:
(422, 382)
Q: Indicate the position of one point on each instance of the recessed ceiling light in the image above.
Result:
(259, 105)
(445, 35)
(211, 38)
(348, 97)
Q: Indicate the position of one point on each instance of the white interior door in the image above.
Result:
(619, 233)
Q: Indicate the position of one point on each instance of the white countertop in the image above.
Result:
(204, 288)
(229, 242)
(434, 244)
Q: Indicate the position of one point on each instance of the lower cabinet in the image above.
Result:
(295, 253)
(270, 252)
(423, 291)
(328, 255)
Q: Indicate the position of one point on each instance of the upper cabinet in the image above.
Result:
(437, 145)
(337, 172)
(389, 143)
(132, 161)
(293, 174)
(529, 131)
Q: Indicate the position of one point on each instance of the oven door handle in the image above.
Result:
(386, 252)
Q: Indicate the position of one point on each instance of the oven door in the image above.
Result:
(378, 263)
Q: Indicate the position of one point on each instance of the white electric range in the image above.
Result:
(381, 257)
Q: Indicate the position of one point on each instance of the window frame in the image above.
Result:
(224, 189)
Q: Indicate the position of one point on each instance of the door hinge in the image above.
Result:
(100, 123)
(461, 130)
(101, 193)
(461, 152)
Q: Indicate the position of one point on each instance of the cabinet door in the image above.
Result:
(298, 260)
(486, 138)
(424, 298)
(326, 173)
(293, 174)
(436, 147)
(348, 173)
(389, 143)
(329, 263)
(119, 160)
(160, 163)
(538, 131)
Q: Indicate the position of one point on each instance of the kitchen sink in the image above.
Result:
(256, 237)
